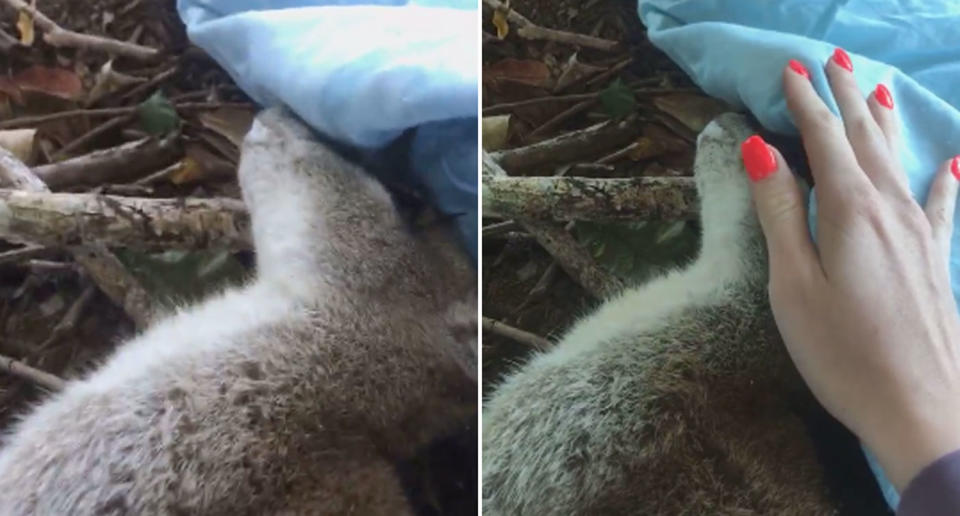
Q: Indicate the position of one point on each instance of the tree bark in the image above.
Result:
(594, 199)
(63, 219)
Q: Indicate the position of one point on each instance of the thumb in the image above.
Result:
(780, 207)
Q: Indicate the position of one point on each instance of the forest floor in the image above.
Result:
(548, 91)
(138, 114)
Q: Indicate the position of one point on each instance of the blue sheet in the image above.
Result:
(363, 72)
(735, 50)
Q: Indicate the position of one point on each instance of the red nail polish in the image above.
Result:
(757, 158)
(798, 67)
(883, 96)
(955, 167)
(841, 57)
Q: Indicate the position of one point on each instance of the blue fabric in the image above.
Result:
(736, 50)
(363, 72)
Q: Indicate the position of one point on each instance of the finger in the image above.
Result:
(865, 136)
(780, 208)
(832, 161)
(941, 203)
(881, 106)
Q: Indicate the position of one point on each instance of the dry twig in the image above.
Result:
(30, 121)
(68, 219)
(59, 37)
(101, 265)
(42, 378)
(528, 30)
(596, 199)
(123, 163)
(569, 146)
(571, 256)
(516, 334)
(24, 253)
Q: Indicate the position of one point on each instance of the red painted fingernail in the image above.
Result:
(883, 96)
(757, 158)
(841, 57)
(955, 167)
(798, 67)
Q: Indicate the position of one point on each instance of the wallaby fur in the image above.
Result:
(354, 346)
(672, 398)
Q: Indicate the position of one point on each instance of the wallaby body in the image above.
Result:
(355, 345)
(674, 397)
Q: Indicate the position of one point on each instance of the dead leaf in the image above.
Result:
(108, 81)
(693, 111)
(231, 123)
(10, 91)
(495, 130)
(56, 82)
(19, 142)
(25, 26)
(522, 71)
(200, 165)
(500, 22)
(574, 71)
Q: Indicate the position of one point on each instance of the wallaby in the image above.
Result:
(672, 398)
(354, 346)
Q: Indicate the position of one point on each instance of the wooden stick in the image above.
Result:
(30, 121)
(596, 199)
(124, 163)
(528, 30)
(102, 266)
(42, 378)
(515, 334)
(570, 146)
(68, 219)
(571, 256)
(500, 109)
(24, 253)
(60, 37)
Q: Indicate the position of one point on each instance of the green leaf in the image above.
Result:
(618, 99)
(157, 115)
(638, 250)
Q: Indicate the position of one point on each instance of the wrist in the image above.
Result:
(906, 448)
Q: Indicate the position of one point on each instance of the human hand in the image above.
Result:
(867, 315)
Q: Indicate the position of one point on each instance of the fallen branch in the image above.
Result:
(25, 253)
(70, 319)
(90, 135)
(574, 259)
(563, 116)
(528, 30)
(571, 256)
(15, 174)
(59, 37)
(69, 219)
(103, 267)
(30, 121)
(124, 163)
(42, 378)
(569, 146)
(500, 109)
(515, 334)
(596, 199)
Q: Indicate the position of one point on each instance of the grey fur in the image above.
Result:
(355, 345)
(674, 397)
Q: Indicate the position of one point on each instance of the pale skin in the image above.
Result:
(867, 313)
